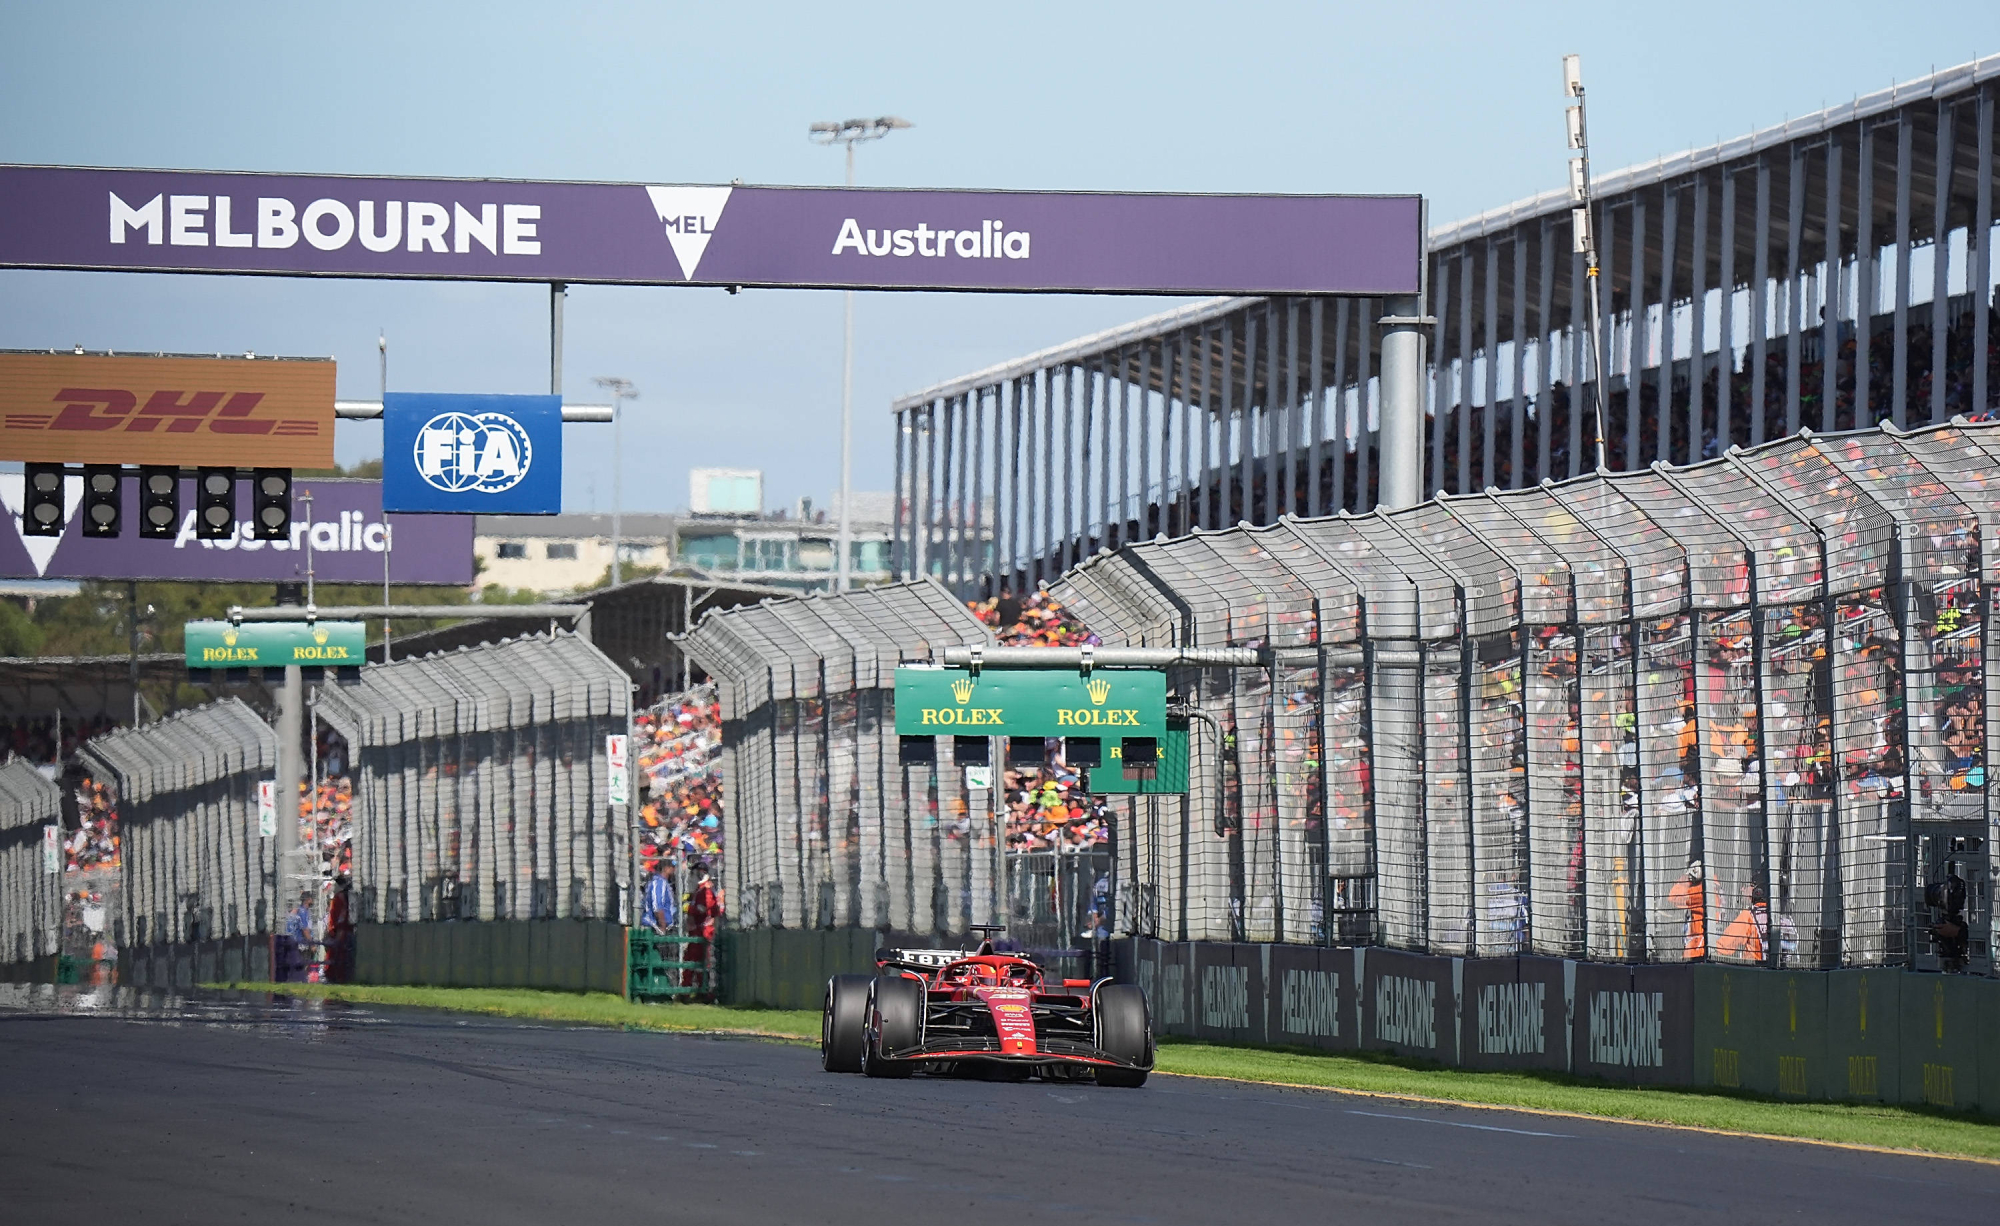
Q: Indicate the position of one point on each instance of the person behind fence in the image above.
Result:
(658, 907)
(1746, 935)
(1948, 898)
(704, 908)
(1690, 896)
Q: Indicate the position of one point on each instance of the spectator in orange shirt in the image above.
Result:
(1691, 896)
(1745, 938)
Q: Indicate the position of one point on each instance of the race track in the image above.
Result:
(211, 1112)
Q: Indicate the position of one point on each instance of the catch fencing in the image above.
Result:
(1512, 723)
(1734, 712)
(196, 866)
(827, 829)
(482, 784)
(30, 875)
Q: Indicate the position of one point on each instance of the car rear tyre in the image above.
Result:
(1125, 1032)
(843, 1024)
(895, 1025)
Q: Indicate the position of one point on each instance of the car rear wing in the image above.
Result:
(920, 960)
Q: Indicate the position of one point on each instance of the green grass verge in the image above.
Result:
(1889, 1127)
(584, 1008)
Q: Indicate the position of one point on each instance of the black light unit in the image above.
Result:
(1083, 751)
(1026, 751)
(43, 513)
(100, 499)
(271, 503)
(917, 751)
(971, 751)
(215, 504)
(159, 502)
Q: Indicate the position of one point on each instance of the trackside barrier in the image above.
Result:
(562, 954)
(1509, 723)
(827, 829)
(482, 788)
(196, 871)
(1884, 1035)
(30, 894)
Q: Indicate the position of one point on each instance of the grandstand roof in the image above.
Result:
(1837, 125)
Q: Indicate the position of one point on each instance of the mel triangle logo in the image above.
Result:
(689, 215)
(14, 500)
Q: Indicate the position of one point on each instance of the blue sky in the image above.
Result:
(1460, 102)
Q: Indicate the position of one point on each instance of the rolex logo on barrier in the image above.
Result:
(961, 689)
(1099, 690)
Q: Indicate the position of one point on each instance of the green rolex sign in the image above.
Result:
(213, 644)
(1110, 702)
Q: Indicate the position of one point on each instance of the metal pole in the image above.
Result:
(1584, 239)
(1402, 414)
(617, 479)
(132, 642)
(291, 705)
(382, 346)
(846, 411)
(558, 295)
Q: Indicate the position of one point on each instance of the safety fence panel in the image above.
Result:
(828, 828)
(30, 869)
(1736, 712)
(196, 864)
(482, 786)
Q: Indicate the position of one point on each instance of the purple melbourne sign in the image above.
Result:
(346, 542)
(668, 234)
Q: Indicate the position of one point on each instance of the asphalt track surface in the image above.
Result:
(213, 1111)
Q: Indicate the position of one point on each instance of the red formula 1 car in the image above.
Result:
(985, 1013)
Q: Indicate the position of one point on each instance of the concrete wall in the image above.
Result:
(189, 963)
(1883, 1035)
(563, 954)
(787, 968)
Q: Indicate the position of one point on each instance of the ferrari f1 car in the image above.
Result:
(983, 1014)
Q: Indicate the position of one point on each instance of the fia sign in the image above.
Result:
(471, 454)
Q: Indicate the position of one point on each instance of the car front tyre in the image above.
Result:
(843, 1025)
(1124, 1032)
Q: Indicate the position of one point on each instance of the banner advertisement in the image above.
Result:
(1109, 703)
(222, 412)
(213, 644)
(267, 808)
(616, 771)
(690, 234)
(347, 539)
(52, 849)
(471, 454)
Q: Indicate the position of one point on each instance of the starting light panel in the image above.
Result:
(100, 499)
(42, 515)
(159, 502)
(215, 504)
(271, 503)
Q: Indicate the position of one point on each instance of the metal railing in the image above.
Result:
(194, 863)
(482, 784)
(30, 888)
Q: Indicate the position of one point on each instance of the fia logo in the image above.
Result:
(482, 453)
(961, 689)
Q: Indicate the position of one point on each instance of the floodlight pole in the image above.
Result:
(382, 344)
(849, 133)
(621, 390)
(1583, 238)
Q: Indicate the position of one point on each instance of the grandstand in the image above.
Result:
(1731, 274)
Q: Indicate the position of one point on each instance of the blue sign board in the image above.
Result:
(472, 455)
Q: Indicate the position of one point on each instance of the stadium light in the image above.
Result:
(849, 132)
(621, 390)
(1583, 236)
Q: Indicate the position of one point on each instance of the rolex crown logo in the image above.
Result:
(229, 637)
(319, 635)
(1099, 689)
(961, 689)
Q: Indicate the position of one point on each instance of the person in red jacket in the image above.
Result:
(704, 909)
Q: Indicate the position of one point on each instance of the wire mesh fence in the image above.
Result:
(195, 861)
(482, 784)
(828, 828)
(30, 863)
(1734, 712)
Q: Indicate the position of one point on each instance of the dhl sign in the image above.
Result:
(223, 412)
